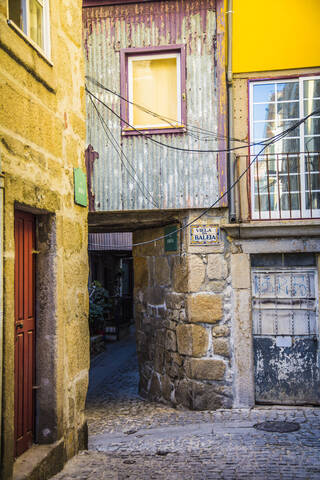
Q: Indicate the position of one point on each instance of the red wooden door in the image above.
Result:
(24, 331)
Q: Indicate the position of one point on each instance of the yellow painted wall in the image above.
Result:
(275, 34)
(42, 139)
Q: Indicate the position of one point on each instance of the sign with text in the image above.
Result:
(204, 234)
(80, 187)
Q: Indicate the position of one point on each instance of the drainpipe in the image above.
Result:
(231, 163)
(1, 297)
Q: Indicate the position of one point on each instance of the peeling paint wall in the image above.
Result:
(173, 179)
(286, 332)
(275, 358)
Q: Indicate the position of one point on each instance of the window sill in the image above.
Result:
(28, 55)
(272, 229)
(153, 131)
(29, 41)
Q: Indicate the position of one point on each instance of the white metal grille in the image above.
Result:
(284, 301)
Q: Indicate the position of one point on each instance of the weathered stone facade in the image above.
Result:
(42, 133)
(183, 318)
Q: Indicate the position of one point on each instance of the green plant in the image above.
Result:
(100, 307)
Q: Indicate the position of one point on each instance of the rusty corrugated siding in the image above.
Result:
(110, 241)
(173, 179)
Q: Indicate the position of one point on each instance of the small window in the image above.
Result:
(32, 17)
(155, 81)
(283, 260)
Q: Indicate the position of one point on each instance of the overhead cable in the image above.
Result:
(187, 150)
(193, 130)
(228, 190)
(113, 142)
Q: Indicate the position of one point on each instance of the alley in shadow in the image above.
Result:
(132, 438)
(114, 404)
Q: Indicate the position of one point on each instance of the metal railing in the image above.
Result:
(278, 186)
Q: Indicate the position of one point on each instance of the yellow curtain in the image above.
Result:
(154, 85)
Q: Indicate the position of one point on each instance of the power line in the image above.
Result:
(265, 142)
(105, 126)
(138, 181)
(147, 136)
(204, 211)
(191, 129)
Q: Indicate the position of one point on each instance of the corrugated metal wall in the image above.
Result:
(174, 179)
(110, 241)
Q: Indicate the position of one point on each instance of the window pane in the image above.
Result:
(288, 164)
(313, 179)
(290, 201)
(312, 126)
(288, 110)
(289, 124)
(311, 105)
(288, 91)
(312, 163)
(16, 13)
(312, 199)
(312, 144)
(264, 93)
(311, 88)
(287, 145)
(265, 185)
(264, 111)
(154, 86)
(263, 130)
(36, 22)
(289, 183)
(266, 203)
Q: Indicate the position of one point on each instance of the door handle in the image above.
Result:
(19, 325)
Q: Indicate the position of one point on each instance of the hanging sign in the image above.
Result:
(80, 187)
(204, 234)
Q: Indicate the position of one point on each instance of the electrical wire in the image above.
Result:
(193, 130)
(120, 154)
(146, 135)
(105, 126)
(275, 139)
(264, 142)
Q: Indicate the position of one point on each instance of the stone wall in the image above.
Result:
(42, 139)
(183, 318)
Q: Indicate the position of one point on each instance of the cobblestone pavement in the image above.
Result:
(130, 438)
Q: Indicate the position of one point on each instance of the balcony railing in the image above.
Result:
(278, 186)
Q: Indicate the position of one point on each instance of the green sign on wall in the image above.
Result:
(80, 187)
(171, 242)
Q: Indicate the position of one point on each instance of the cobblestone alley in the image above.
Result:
(130, 438)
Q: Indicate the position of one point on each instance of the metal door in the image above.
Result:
(24, 331)
(285, 335)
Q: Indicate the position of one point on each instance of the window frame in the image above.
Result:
(276, 214)
(25, 31)
(126, 57)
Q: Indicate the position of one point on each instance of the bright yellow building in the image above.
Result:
(44, 332)
(275, 35)
(274, 95)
